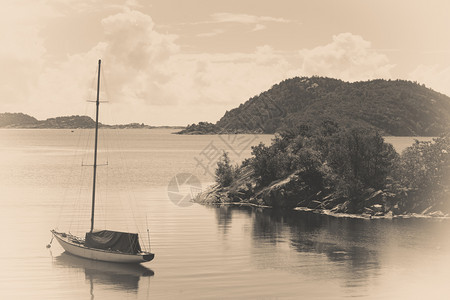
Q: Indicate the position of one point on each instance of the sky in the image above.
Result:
(176, 62)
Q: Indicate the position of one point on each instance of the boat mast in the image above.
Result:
(97, 103)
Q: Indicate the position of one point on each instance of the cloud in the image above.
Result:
(348, 57)
(211, 33)
(146, 73)
(434, 76)
(147, 76)
(227, 79)
(22, 49)
(137, 55)
(259, 22)
(245, 18)
(89, 6)
(130, 36)
(134, 57)
(145, 68)
(259, 27)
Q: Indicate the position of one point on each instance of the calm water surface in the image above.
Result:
(201, 252)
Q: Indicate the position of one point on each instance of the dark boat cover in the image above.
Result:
(113, 240)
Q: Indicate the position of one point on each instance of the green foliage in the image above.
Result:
(361, 160)
(346, 161)
(362, 155)
(265, 164)
(348, 165)
(283, 157)
(425, 167)
(310, 166)
(391, 107)
(225, 172)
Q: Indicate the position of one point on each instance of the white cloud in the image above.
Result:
(148, 77)
(146, 72)
(433, 76)
(22, 49)
(259, 27)
(348, 57)
(258, 22)
(134, 57)
(211, 33)
(88, 6)
(145, 69)
(226, 80)
(131, 37)
(245, 18)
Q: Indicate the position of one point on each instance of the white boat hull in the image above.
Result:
(79, 249)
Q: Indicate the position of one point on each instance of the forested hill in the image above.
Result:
(20, 120)
(393, 107)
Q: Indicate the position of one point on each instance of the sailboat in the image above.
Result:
(103, 245)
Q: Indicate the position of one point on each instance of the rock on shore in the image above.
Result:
(290, 193)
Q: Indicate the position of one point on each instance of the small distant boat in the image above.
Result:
(103, 245)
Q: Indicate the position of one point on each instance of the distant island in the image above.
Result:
(20, 120)
(391, 107)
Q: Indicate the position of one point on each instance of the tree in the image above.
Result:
(425, 167)
(361, 160)
(224, 172)
(269, 163)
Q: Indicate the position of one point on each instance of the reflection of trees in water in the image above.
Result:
(224, 214)
(351, 244)
(118, 276)
(267, 225)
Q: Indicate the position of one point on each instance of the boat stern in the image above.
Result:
(148, 256)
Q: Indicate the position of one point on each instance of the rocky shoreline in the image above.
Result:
(287, 194)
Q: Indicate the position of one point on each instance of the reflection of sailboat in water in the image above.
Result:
(119, 276)
(103, 245)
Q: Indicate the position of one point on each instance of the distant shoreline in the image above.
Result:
(24, 121)
(102, 127)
